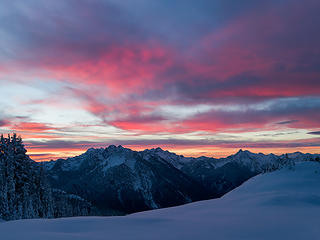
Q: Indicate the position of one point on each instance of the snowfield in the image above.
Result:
(280, 205)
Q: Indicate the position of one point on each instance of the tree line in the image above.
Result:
(24, 189)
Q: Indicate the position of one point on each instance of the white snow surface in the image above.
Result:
(284, 204)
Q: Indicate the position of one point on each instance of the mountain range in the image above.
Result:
(118, 180)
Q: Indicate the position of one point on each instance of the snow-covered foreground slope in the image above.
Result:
(280, 205)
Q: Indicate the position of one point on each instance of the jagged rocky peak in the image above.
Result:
(90, 150)
(112, 148)
(160, 152)
(177, 161)
(243, 152)
(158, 149)
(119, 148)
(114, 151)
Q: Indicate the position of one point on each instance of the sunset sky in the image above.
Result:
(197, 77)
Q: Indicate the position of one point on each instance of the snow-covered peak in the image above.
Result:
(176, 160)
(115, 148)
(243, 155)
(257, 162)
(117, 155)
(118, 149)
(299, 156)
(97, 157)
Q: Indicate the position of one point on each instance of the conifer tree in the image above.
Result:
(24, 191)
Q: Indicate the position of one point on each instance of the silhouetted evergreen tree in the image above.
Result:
(24, 192)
